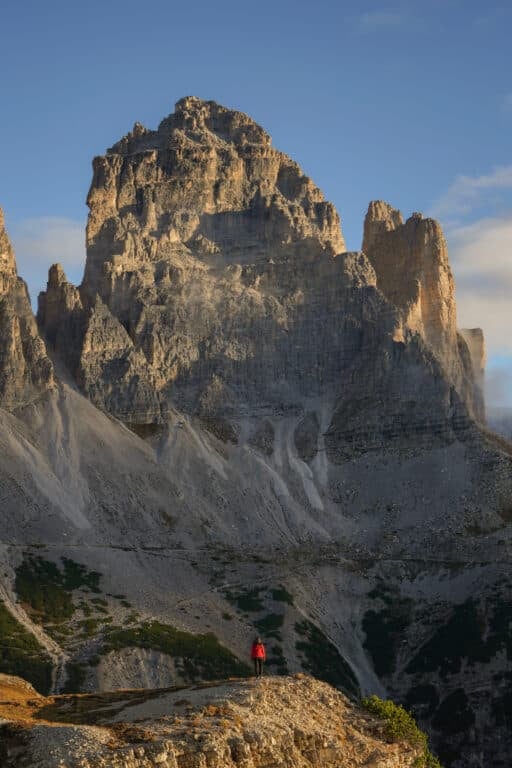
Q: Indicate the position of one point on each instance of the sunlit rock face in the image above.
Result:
(25, 370)
(226, 724)
(411, 263)
(217, 279)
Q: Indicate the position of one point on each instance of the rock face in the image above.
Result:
(217, 279)
(202, 240)
(25, 369)
(411, 263)
(220, 725)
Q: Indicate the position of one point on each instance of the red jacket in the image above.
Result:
(258, 651)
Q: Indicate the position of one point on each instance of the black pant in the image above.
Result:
(258, 667)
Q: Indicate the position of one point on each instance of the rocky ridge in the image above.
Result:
(220, 725)
(25, 369)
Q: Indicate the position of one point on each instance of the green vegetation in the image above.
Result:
(90, 627)
(21, 654)
(454, 714)
(60, 632)
(384, 628)
(401, 726)
(422, 700)
(502, 704)
(248, 600)
(269, 625)
(76, 673)
(254, 600)
(47, 588)
(198, 657)
(276, 659)
(280, 595)
(85, 607)
(39, 583)
(76, 576)
(99, 601)
(474, 633)
(323, 660)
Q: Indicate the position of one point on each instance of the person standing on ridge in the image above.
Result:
(258, 655)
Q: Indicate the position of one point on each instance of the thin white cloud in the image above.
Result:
(373, 20)
(481, 257)
(43, 241)
(466, 192)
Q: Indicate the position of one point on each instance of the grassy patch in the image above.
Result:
(454, 714)
(85, 608)
(401, 726)
(474, 633)
(21, 654)
(323, 660)
(501, 708)
(89, 626)
(76, 576)
(422, 700)
(76, 674)
(198, 657)
(384, 629)
(99, 601)
(277, 660)
(280, 595)
(248, 600)
(269, 625)
(47, 588)
(60, 632)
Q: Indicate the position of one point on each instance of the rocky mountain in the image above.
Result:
(253, 430)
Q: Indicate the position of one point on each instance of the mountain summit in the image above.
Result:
(217, 279)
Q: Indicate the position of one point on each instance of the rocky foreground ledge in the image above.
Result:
(274, 721)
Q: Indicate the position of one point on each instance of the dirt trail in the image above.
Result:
(57, 655)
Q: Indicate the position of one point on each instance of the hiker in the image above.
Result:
(258, 656)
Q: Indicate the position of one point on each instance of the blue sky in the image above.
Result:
(406, 101)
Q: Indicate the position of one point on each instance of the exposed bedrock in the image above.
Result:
(214, 265)
(411, 263)
(25, 369)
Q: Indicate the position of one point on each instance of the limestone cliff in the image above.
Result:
(222, 269)
(411, 263)
(25, 369)
(207, 181)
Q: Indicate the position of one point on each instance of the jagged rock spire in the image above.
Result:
(25, 369)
